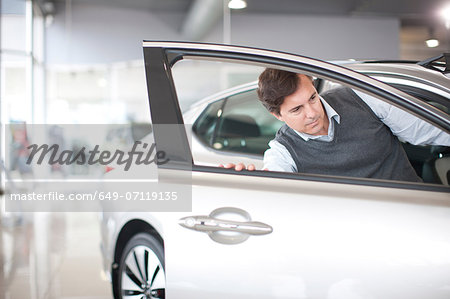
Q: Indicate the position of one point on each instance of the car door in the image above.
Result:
(280, 235)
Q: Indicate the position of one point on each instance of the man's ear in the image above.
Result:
(278, 116)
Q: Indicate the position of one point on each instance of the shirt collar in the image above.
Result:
(331, 113)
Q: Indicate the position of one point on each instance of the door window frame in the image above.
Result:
(160, 57)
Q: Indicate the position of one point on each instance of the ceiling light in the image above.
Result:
(432, 43)
(237, 4)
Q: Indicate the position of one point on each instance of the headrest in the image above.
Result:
(239, 125)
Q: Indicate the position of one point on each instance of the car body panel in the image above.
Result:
(327, 243)
(332, 241)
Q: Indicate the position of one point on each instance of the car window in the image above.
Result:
(428, 96)
(205, 125)
(245, 126)
(230, 125)
(431, 162)
(240, 124)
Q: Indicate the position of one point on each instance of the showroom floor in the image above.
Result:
(51, 255)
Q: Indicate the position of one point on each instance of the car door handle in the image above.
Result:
(226, 231)
(209, 224)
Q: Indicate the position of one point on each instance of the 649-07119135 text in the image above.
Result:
(140, 195)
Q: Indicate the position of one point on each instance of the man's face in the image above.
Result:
(303, 110)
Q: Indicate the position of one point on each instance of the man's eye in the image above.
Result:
(313, 99)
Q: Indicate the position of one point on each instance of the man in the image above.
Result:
(344, 132)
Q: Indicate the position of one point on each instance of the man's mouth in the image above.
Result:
(312, 124)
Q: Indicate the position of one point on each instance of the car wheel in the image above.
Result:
(141, 269)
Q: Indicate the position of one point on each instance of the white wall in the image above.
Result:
(102, 34)
(323, 37)
(13, 32)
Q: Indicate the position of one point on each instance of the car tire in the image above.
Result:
(141, 269)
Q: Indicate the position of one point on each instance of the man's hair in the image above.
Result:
(274, 85)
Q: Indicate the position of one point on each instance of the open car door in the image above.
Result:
(267, 234)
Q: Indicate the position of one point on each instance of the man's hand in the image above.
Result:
(240, 166)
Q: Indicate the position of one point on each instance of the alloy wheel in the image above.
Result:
(143, 275)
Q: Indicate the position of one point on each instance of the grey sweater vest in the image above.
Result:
(363, 146)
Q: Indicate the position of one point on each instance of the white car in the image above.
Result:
(265, 234)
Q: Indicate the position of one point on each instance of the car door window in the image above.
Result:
(245, 126)
(240, 124)
(431, 162)
(205, 126)
(233, 126)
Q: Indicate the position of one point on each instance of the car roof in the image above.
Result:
(403, 69)
(225, 93)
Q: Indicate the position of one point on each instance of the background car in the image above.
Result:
(267, 234)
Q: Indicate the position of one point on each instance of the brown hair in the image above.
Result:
(274, 85)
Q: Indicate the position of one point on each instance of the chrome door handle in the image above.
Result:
(223, 230)
(208, 224)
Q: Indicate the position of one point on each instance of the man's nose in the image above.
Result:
(309, 111)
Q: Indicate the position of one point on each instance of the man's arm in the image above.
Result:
(405, 125)
(278, 158)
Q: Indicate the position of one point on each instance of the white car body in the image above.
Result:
(357, 243)
(307, 236)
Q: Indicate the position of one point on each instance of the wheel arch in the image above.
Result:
(130, 229)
